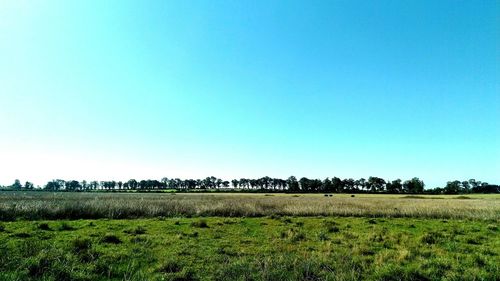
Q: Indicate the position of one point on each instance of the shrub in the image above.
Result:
(2, 228)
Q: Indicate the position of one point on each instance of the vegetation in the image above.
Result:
(267, 184)
(246, 236)
(268, 248)
(32, 205)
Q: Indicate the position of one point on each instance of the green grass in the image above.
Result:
(265, 248)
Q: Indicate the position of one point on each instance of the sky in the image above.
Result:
(114, 90)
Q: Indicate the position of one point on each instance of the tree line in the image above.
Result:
(267, 184)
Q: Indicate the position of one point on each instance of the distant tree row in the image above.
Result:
(267, 184)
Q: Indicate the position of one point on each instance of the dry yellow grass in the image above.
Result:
(45, 205)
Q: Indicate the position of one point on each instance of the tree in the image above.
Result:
(304, 184)
(28, 185)
(360, 184)
(338, 185)
(466, 186)
(415, 186)
(349, 184)
(164, 181)
(72, 185)
(16, 185)
(54, 185)
(327, 185)
(376, 184)
(234, 183)
(394, 187)
(293, 184)
(452, 187)
(132, 184)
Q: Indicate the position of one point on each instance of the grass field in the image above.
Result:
(280, 248)
(90, 236)
(61, 205)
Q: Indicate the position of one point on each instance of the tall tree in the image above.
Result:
(415, 186)
(293, 184)
(17, 184)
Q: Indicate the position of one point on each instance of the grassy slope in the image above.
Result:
(279, 248)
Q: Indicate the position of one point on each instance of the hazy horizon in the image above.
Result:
(115, 90)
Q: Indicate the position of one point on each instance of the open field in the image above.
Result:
(267, 248)
(224, 236)
(66, 205)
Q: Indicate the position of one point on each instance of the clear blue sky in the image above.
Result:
(145, 89)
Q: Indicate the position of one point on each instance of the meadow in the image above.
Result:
(139, 236)
(95, 205)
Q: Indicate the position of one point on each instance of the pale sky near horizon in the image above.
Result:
(114, 90)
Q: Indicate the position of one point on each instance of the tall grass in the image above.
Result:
(45, 205)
